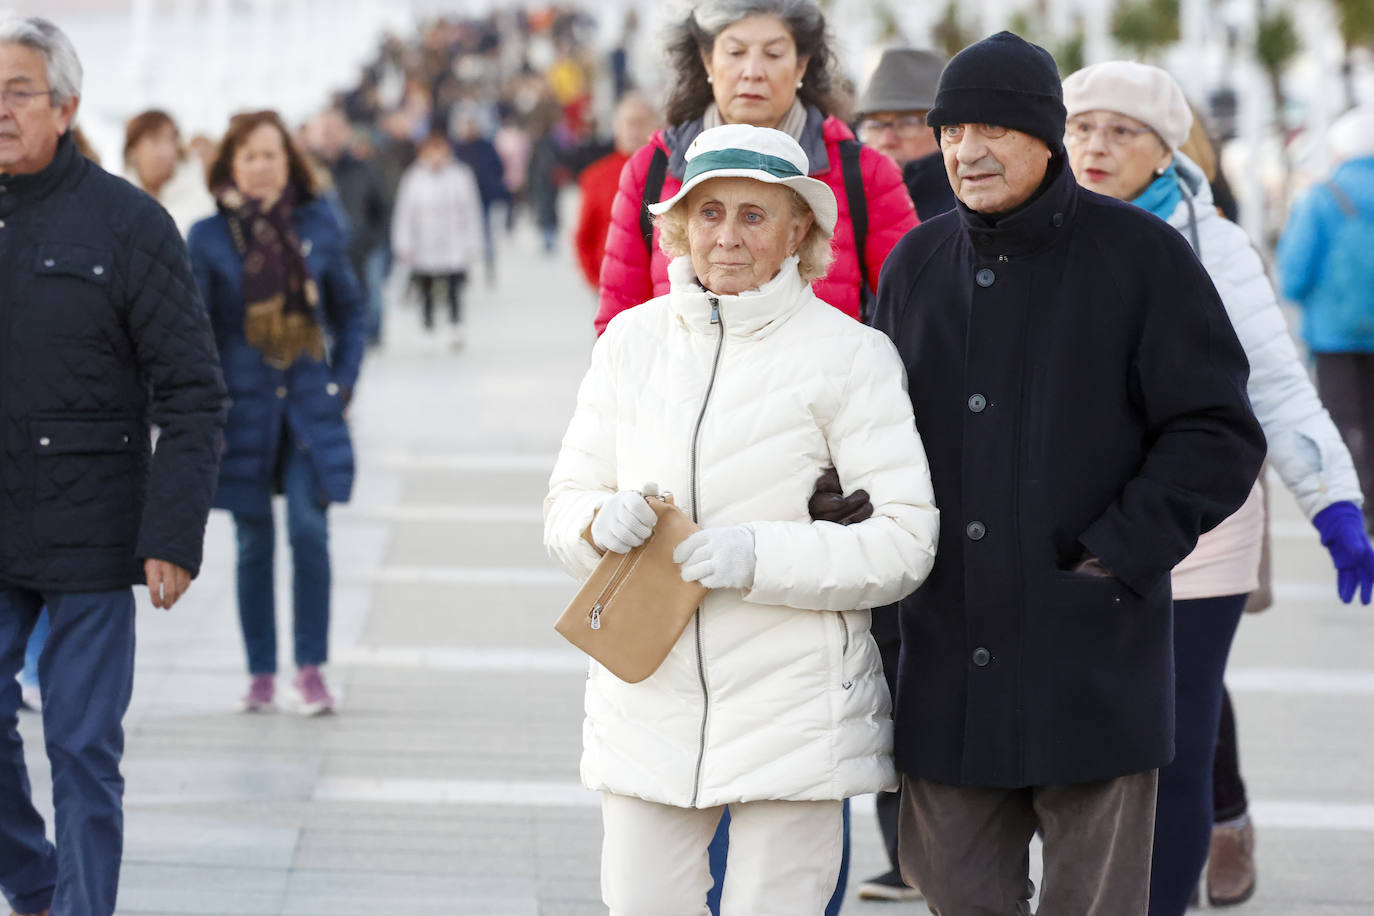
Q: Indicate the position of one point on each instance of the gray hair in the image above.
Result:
(694, 33)
(59, 54)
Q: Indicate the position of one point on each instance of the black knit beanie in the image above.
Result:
(1003, 80)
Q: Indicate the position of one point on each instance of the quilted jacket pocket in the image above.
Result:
(87, 484)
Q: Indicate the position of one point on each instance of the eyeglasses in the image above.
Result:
(908, 127)
(1115, 135)
(15, 99)
(954, 133)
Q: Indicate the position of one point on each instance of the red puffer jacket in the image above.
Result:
(629, 276)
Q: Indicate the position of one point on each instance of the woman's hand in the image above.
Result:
(1342, 529)
(623, 523)
(718, 557)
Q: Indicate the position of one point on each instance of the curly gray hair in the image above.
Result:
(59, 54)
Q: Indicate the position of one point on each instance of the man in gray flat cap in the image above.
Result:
(892, 120)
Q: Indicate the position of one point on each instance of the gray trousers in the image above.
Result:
(968, 848)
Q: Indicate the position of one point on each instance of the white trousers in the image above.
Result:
(784, 857)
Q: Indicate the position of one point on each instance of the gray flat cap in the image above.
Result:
(904, 80)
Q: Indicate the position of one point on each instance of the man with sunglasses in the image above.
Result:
(1082, 397)
(101, 334)
(892, 120)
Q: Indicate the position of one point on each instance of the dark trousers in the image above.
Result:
(86, 673)
(1203, 631)
(453, 283)
(968, 847)
(889, 639)
(307, 525)
(1345, 382)
(1229, 800)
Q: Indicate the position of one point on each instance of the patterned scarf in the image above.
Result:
(793, 123)
(280, 298)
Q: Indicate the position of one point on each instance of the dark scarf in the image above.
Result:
(280, 298)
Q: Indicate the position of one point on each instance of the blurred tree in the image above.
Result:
(1069, 54)
(887, 27)
(951, 35)
(1146, 27)
(1356, 19)
(1276, 44)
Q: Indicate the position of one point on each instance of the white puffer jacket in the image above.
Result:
(775, 692)
(1305, 447)
(437, 223)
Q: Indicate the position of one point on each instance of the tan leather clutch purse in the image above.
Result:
(633, 608)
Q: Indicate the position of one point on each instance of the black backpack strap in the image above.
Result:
(653, 187)
(1343, 200)
(850, 151)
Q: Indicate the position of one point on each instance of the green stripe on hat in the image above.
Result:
(718, 159)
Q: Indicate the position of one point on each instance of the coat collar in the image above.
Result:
(23, 189)
(751, 315)
(1032, 226)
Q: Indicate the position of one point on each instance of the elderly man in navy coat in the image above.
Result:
(1082, 396)
(101, 333)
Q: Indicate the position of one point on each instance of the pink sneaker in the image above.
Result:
(315, 698)
(260, 692)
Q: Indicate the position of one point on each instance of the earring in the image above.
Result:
(799, 84)
(708, 79)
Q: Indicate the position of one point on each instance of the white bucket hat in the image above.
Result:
(761, 153)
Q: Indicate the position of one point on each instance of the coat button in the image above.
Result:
(45, 442)
(981, 657)
(977, 403)
(975, 531)
(332, 388)
(985, 277)
(281, 391)
(1057, 220)
(97, 270)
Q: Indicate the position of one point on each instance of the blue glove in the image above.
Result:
(1342, 529)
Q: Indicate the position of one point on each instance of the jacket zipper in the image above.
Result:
(696, 437)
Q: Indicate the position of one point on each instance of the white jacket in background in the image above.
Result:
(185, 197)
(775, 692)
(1305, 447)
(436, 226)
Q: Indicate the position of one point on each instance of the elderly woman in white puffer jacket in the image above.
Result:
(1126, 122)
(735, 391)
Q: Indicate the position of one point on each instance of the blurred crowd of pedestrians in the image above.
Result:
(204, 354)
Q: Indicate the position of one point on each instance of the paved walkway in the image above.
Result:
(447, 784)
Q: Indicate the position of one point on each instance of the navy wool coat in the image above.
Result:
(101, 334)
(1080, 390)
(310, 396)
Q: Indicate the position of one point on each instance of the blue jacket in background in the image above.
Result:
(311, 395)
(1326, 261)
(481, 156)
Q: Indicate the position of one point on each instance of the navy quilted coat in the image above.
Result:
(310, 396)
(101, 333)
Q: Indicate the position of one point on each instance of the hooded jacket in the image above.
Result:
(776, 691)
(629, 275)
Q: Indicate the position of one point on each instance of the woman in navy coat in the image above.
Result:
(289, 322)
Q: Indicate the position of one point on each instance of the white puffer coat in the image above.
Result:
(775, 692)
(437, 223)
(1305, 447)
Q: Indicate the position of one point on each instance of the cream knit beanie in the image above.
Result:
(1148, 94)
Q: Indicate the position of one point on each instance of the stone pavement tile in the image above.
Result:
(1307, 747)
(181, 840)
(381, 893)
(187, 890)
(432, 543)
(503, 616)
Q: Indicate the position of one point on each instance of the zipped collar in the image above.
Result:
(751, 315)
(23, 189)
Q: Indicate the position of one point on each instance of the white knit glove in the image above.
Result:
(623, 523)
(718, 557)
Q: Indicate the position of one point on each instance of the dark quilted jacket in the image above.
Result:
(310, 396)
(101, 333)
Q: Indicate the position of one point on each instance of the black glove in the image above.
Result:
(829, 504)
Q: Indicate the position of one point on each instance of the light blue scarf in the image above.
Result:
(1163, 195)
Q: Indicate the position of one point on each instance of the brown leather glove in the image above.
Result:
(829, 504)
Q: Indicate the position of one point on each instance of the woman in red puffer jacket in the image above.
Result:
(770, 68)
